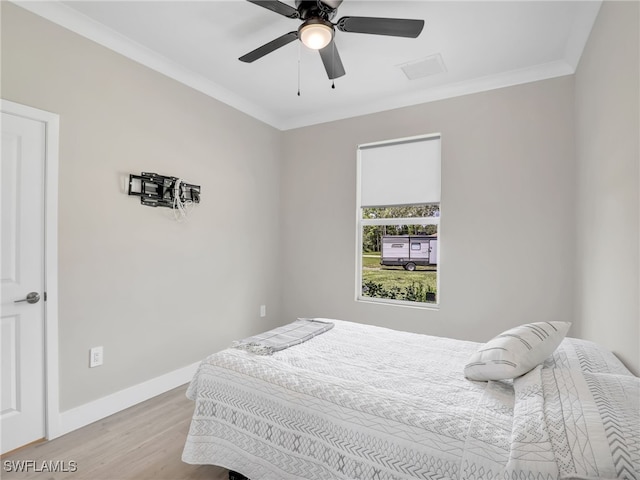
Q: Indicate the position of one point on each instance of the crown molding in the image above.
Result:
(61, 14)
(476, 85)
(66, 17)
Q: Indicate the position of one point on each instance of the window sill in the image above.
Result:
(399, 303)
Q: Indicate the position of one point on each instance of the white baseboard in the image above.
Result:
(78, 417)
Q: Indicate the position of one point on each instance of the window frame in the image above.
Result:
(362, 222)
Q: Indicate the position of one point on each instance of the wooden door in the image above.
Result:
(22, 414)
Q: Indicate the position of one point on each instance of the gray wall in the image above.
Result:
(156, 294)
(607, 131)
(508, 212)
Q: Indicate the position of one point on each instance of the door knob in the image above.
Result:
(32, 297)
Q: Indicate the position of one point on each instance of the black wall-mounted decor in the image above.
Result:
(160, 191)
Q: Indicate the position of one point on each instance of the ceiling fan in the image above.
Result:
(317, 31)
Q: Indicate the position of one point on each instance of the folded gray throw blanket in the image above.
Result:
(267, 343)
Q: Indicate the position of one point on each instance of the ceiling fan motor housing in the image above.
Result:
(308, 9)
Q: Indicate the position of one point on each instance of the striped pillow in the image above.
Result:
(516, 351)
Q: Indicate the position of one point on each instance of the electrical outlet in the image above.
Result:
(96, 357)
(263, 310)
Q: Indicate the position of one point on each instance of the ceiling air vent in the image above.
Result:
(431, 65)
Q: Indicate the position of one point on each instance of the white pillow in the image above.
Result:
(516, 351)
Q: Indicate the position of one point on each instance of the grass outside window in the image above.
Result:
(395, 282)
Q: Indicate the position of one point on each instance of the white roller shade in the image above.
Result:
(400, 173)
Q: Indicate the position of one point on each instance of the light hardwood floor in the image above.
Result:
(143, 442)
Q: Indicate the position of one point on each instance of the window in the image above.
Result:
(398, 220)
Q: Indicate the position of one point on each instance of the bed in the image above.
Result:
(366, 402)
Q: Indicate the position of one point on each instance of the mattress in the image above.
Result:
(366, 402)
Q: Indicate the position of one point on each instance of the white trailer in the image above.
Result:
(409, 251)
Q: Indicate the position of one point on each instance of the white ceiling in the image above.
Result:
(483, 45)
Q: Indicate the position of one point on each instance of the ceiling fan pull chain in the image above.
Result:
(299, 48)
(333, 59)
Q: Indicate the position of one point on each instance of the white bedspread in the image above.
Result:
(362, 402)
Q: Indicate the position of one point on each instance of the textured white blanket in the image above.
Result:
(362, 402)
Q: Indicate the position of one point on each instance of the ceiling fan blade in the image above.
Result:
(396, 27)
(278, 7)
(269, 47)
(331, 59)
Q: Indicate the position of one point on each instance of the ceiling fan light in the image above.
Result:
(316, 35)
